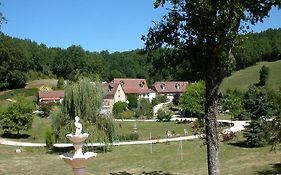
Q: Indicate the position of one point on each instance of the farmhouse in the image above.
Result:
(135, 86)
(114, 93)
(50, 96)
(170, 88)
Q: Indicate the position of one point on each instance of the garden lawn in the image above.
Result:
(36, 134)
(157, 129)
(137, 159)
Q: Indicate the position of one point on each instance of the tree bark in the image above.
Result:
(212, 84)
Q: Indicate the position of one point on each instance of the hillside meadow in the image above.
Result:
(241, 79)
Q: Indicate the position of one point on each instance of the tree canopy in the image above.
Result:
(84, 99)
(205, 32)
(18, 116)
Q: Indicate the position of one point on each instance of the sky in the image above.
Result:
(95, 25)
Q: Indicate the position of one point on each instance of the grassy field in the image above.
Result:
(240, 80)
(42, 82)
(165, 159)
(13, 93)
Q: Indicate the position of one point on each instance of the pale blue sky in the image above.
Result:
(115, 25)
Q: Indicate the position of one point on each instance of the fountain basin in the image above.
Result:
(80, 162)
(77, 138)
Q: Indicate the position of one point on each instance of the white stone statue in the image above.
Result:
(78, 126)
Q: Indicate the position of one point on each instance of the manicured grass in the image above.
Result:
(157, 129)
(137, 159)
(11, 94)
(240, 80)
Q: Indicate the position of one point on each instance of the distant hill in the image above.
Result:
(241, 79)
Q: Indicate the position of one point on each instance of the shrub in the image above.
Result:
(46, 108)
(118, 108)
(49, 138)
(162, 116)
(146, 108)
(159, 99)
(126, 114)
(60, 83)
(130, 136)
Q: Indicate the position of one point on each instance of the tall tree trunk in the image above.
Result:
(212, 84)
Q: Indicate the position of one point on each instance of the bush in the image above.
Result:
(118, 108)
(146, 108)
(49, 138)
(159, 99)
(126, 114)
(46, 108)
(60, 83)
(162, 116)
(126, 137)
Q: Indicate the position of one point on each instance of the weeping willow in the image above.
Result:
(84, 99)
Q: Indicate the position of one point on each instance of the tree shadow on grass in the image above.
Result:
(15, 136)
(143, 173)
(276, 169)
(240, 144)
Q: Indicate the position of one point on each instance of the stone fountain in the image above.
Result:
(78, 161)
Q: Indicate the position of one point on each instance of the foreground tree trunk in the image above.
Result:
(212, 85)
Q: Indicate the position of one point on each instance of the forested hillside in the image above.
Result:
(25, 60)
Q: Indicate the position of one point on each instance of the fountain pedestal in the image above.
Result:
(78, 161)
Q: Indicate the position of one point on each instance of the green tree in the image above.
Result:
(259, 107)
(264, 73)
(18, 116)
(162, 116)
(192, 101)
(84, 99)
(118, 108)
(233, 101)
(133, 101)
(16, 79)
(206, 32)
(60, 83)
(146, 108)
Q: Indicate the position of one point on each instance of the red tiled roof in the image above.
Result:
(132, 86)
(110, 89)
(51, 94)
(170, 87)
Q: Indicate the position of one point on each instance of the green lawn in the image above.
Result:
(35, 134)
(157, 129)
(137, 159)
(241, 79)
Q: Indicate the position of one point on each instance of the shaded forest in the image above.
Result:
(25, 60)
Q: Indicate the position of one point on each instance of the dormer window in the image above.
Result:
(162, 86)
(142, 84)
(110, 88)
(177, 86)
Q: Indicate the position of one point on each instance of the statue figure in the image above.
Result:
(78, 126)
